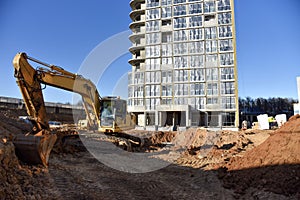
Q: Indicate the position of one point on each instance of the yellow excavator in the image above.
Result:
(107, 114)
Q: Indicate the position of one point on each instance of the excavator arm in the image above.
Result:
(35, 147)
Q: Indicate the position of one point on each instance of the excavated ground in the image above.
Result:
(249, 164)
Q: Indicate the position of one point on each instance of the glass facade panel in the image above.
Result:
(227, 88)
(197, 75)
(196, 61)
(224, 5)
(209, 6)
(225, 31)
(226, 59)
(195, 21)
(196, 47)
(224, 18)
(195, 8)
(153, 38)
(153, 14)
(180, 35)
(227, 73)
(198, 89)
(226, 45)
(212, 74)
(180, 62)
(166, 12)
(152, 3)
(152, 26)
(180, 22)
(210, 33)
(196, 34)
(179, 10)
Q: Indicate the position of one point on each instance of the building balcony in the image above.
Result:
(134, 4)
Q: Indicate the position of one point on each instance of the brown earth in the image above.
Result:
(249, 164)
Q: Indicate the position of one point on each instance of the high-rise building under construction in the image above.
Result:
(183, 63)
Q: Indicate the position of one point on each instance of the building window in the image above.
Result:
(166, 2)
(209, 6)
(212, 100)
(180, 48)
(152, 14)
(179, 1)
(228, 103)
(196, 61)
(166, 12)
(152, 64)
(151, 103)
(181, 89)
(212, 74)
(179, 10)
(153, 26)
(166, 76)
(212, 89)
(226, 45)
(196, 47)
(210, 33)
(195, 8)
(225, 31)
(138, 91)
(152, 51)
(197, 75)
(166, 49)
(166, 101)
(139, 78)
(180, 75)
(180, 62)
(152, 3)
(227, 73)
(180, 22)
(153, 38)
(153, 77)
(211, 60)
(167, 61)
(224, 5)
(198, 89)
(152, 90)
(224, 18)
(130, 78)
(195, 21)
(166, 90)
(227, 88)
(211, 46)
(196, 34)
(180, 35)
(180, 101)
(226, 59)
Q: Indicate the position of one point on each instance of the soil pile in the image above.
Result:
(18, 181)
(273, 165)
(211, 150)
(282, 147)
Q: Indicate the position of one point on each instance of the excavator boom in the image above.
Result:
(107, 114)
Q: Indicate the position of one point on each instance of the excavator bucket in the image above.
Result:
(34, 149)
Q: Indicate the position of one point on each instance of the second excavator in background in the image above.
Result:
(104, 114)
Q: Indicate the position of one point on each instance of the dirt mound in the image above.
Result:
(211, 150)
(273, 165)
(282, 147)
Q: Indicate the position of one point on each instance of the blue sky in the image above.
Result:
(64, 32)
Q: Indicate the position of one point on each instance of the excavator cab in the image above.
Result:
(113, 115)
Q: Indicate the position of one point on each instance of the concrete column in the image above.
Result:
(187, 118)
(145, 120)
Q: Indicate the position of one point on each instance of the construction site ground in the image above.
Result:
(250, 164)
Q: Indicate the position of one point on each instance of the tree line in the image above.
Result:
(270, 106)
